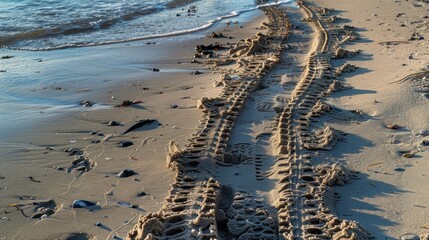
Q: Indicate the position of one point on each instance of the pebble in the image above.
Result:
(95, 141)
(409, 237)
(74, 151)
(155, 69)
(82, 204)
(125, 144)
(125, 173)
(98, 224)
(141, 194)
(424, 133)
(134, 206)
(174, 106)
(112, 123)
(392, 126)
(196, 73)
(425, 142)
(93, 133)
(87, 103)
(398, 169)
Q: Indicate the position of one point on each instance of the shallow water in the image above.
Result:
(53, 24)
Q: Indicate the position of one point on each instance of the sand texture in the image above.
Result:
(310, 122)
(207, 202)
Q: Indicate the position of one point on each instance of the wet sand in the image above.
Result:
(314, 126)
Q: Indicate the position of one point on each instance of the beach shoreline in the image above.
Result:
(315, 124)
(106, 76)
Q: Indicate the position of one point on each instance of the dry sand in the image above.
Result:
(291, 144)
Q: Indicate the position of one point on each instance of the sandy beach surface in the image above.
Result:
(309, 121)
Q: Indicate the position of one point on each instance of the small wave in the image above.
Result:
(77, 27)
(107, 23)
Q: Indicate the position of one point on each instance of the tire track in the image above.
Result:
(210, 200)
(305, 196)
(192, 209)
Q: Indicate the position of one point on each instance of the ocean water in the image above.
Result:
(54, 24)
(81, 44)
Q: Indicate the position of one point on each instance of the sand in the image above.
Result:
(311, 128)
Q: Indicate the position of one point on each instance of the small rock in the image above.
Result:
(86, 103)
(410, 57)
(82, 204)
(174, 106)
(98, 224)
(6, 57)
(216, 35)
(398, 169)
(141, 194)
(95, 141)
(125, 173)
(424, 133)
(113, 123)
(125, 144)
(134, 206)
(409, 237)
(74, 151)
(425, 142)
(93, 133)
(392, 126)
(154, 69)
(196, 73)
(416, 37)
